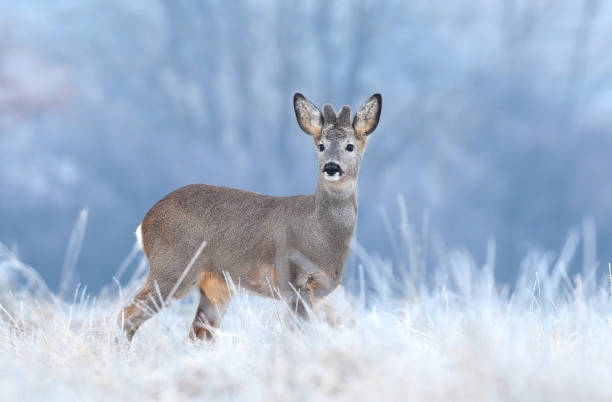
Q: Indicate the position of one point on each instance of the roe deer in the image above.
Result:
(201, 235)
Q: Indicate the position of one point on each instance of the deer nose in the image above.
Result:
(331, 169)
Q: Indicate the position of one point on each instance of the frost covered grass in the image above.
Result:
(429, 325)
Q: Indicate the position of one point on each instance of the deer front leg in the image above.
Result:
(302, 305)
(310, 288)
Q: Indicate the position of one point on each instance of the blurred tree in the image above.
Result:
(495, 119)
(29, 85)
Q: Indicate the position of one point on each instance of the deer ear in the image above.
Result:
(366, 118)
(308, 116)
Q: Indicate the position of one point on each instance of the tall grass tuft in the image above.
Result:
(428, 323)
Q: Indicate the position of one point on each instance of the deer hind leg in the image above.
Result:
(214, 300)
(143, 306)
(160, 288)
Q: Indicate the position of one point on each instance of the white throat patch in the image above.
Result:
(335, 177)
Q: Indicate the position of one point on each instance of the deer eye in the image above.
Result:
(350, 147)
(321, 147)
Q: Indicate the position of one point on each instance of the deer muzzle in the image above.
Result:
(332, 171)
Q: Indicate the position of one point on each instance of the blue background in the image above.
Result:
(496, 116)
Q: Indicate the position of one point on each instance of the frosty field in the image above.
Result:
(428, 324)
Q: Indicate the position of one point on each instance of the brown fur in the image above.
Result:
(215, 287)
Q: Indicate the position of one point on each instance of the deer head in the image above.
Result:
(340, 144)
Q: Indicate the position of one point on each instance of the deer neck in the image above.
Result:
(336, 208)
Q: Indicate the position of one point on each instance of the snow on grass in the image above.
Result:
(419, 328)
